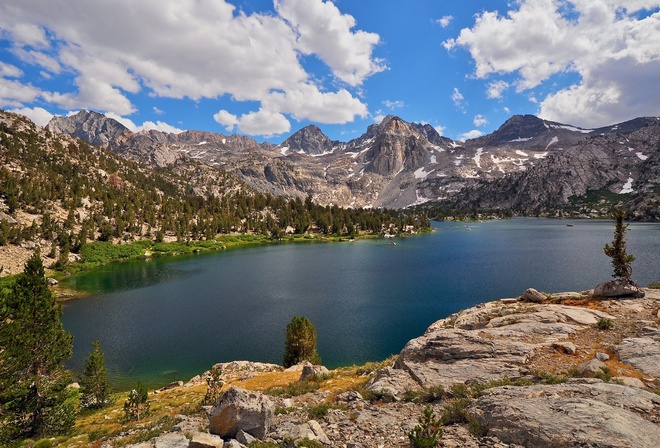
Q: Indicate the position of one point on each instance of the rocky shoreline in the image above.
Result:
(571, 370)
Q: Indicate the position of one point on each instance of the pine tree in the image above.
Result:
(95, 388)
(34, 396)
(136, 405)
(617, 250)
(300, 343)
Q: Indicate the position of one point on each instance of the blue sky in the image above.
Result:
(267, 68)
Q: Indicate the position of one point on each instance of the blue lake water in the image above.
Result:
(162, 320)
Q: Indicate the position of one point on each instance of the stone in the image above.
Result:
(591, 368)
(240, 409)
(233, 444)
(309, 430)
(619, 287)
(206, 440)
(448, 356)
(532, 295)
(172, 385)
(350, 396)
(392, 383)
(310, 370)
(244, 438)
(565, 347)
(574, 414)
(171, 440)
(602, 356)
(641, 353)
(629, 381)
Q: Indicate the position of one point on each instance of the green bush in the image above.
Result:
(604, 324)
(428, 432)
(43, 443)
(456, 412)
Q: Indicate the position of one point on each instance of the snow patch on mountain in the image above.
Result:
(627, 187)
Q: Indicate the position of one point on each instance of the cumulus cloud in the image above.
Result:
(10, 71)
(13, 93)
(38, 115)
(445, 21)
(199, 50)
(146, 126)
(439, 129)
(480, 120)
(595, 39)
(472, 134)
(496, 88)
(226, 119)
(323, 30)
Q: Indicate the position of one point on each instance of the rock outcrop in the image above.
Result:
(241, 410)
(576, 414)
(619, 287)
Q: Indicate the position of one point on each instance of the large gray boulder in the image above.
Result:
(310, 370)
(641, 353)
(240, 409)
(580, 413)
(205, 440)
(619, 287)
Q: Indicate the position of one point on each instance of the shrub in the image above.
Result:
(428, 432)
(214, 385)
(136, 405)
(604, 324)
(456, 412)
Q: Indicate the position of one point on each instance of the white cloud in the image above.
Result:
(445, 21)
(38, 115)
(146, 126)
(10, 71)
(595, 39)
(393, 104)
(157, 111)
(472, 134)
(201, 49)
(439, 129)
(496, 88)
(378, 118)
(458, 99)
(264, 122)
(480, 120)
(228, 120)
(323, 30)
(14, 93)
(159, 126)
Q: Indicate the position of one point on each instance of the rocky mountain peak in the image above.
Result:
(91, 126)
(309, 140)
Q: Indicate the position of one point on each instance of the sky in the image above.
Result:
(268, 68)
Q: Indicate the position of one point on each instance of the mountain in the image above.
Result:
(397, 164)
(93, 127)
(309, 140)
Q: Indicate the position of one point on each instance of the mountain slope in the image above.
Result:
(398, 164)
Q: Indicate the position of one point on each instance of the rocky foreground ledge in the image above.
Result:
(557, 370)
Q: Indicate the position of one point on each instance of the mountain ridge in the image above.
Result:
(393, 163)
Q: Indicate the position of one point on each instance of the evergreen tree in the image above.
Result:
(136, 405)
(34, 396)
(300, 343)
(617, 250)
(95, 388)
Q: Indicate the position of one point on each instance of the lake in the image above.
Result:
(161, 320)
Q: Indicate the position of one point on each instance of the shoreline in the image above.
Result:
(174, 249)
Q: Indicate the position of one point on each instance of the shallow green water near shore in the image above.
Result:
(166, 319)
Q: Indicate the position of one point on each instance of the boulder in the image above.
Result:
(205, 440)
(171, 440)
(310, 430)
(591, 368)
(602, 356)
(619, 287)
(641, 353)
(575, 414)
(244, 438)
(532, 295)
(392, 383)
(310, 371)
(240, 409)
(565, 347)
